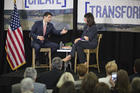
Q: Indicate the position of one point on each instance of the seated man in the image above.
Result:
(27, 85)
(40, 31)
(136, 70)
(50, 78)
(30, 73)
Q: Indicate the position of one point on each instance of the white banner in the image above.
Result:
(111, 11)
(33, 10)
(39, 4)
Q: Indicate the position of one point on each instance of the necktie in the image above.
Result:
(44, 29)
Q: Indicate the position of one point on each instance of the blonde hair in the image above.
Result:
(110, 67)
(67, 76)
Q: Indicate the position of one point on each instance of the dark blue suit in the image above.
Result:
(37, 30)
(91, 33)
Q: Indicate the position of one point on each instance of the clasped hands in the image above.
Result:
(40, 38)
(85, 38)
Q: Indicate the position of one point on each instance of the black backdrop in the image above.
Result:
(124, 47)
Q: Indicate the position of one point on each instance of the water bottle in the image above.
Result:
(61, 45)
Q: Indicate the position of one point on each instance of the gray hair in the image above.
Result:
(27, 85)
(57, 63)
(30, 72)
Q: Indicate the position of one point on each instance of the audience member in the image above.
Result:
(82, 71)
(89, 82)
(110, 68)
(135, 85)
(50, 78)
(102, 88)
(67, 87)
(31, 73)
(67, 76)
(122, 83)
(136, 70)
(27, 85)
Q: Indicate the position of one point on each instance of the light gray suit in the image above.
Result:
(38, 88)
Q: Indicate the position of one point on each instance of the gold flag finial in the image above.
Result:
(14, 1)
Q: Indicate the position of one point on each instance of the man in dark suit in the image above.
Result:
(136, 70)
(40, 32)
(50, 78)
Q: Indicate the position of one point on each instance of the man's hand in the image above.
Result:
(76, 40)
(40, 37)
(86, 38)
(64, 31)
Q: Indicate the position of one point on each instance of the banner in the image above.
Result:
(110, 11)
(33, 10)
(39, 4)
(111, 15)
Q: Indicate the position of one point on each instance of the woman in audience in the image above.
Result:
(67, 76)
(102, 88)
(82, 71)
(89, 82)
(67, 87)
(122, 83)
(135, 85)
(110, 68)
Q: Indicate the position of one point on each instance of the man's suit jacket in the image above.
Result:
(37, 30)
(50, 78)
(38, 88)
(131, 77)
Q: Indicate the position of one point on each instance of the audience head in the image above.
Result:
(122, 82)
(57, 63)
(31, 73)
(82, 70)
(89, 19)
(67, 87)
(89, 82)
(137, 66)
(102, 88)
(135, 85)
(67, 76)
(111, 67)
(27, 85)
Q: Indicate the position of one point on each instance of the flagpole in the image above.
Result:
(15, 3)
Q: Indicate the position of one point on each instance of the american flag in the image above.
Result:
(14, 42)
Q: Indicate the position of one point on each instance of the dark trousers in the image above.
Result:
(48, 44)
(79, 47)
